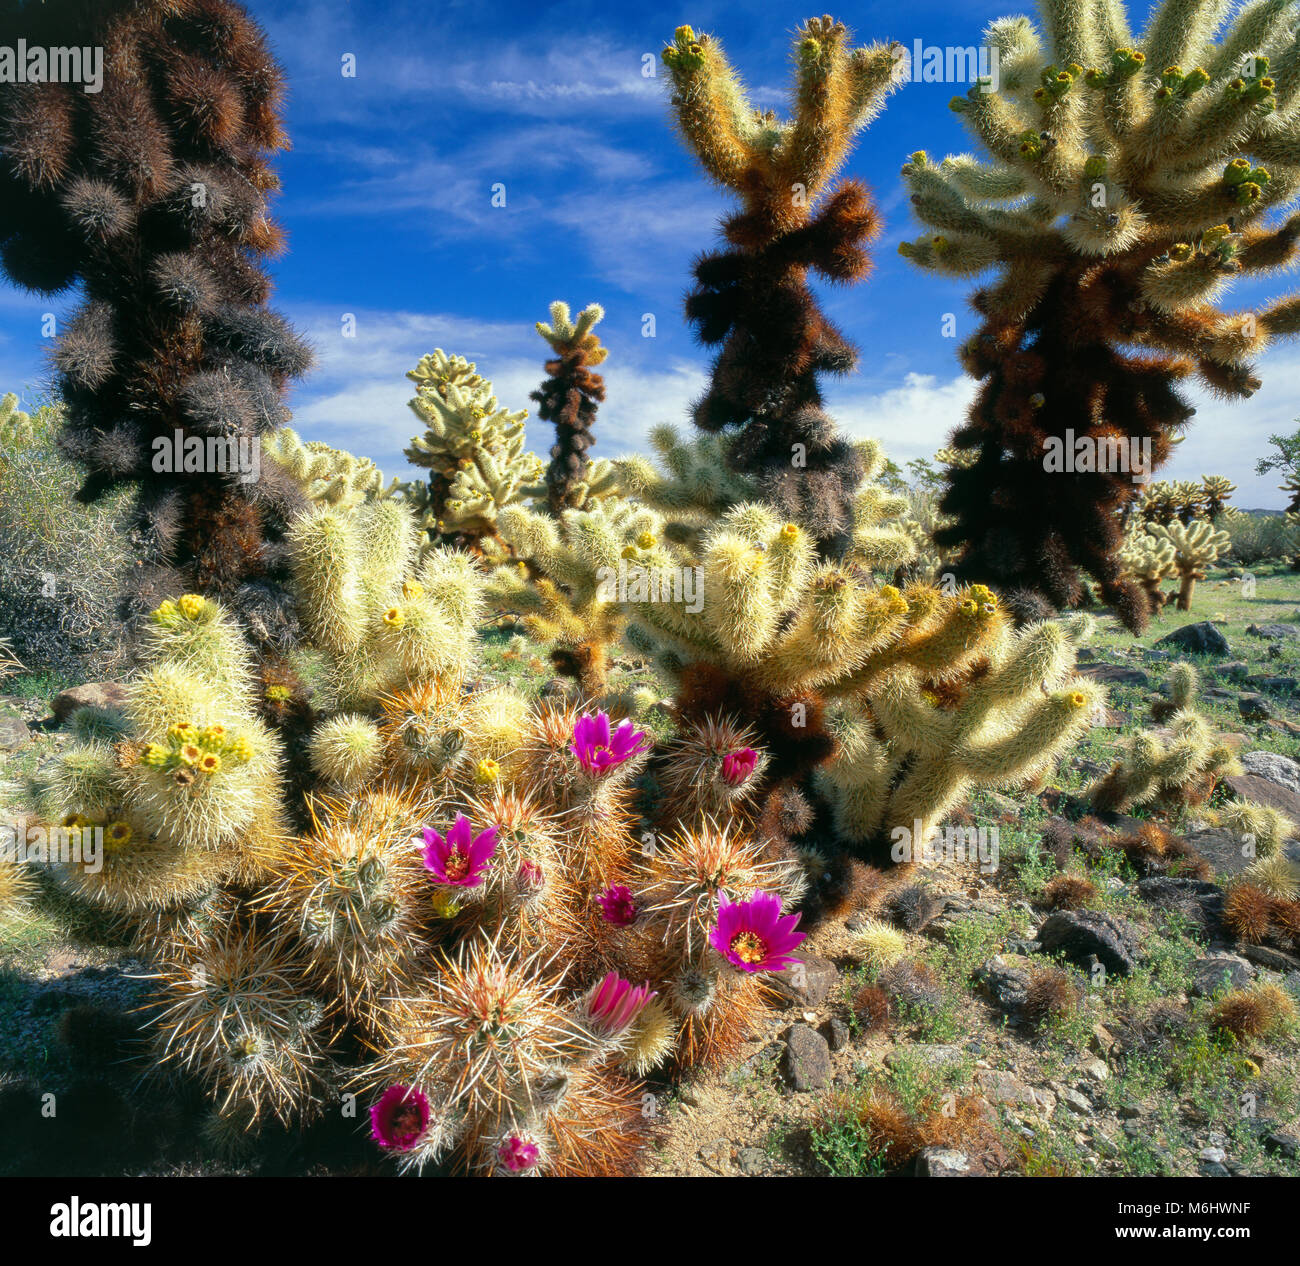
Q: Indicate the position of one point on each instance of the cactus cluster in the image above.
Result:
(1180, 767)
(1123, 181)
(752, 299)
(151, 197)
(472, 447)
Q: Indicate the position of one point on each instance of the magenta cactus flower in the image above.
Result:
(614, 1003)
(399, 1118)
(617, 906)
(752, 935)
(599, 751)
(518, 1154)
(461, 857)
(739, 765)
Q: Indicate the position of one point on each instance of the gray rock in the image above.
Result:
(807, 983)
(1202, 639)
(1005, 1087)
(1006, 984)
(1219, 971)
(807, 1058)
(1254, 708)
(1275, 632)
(1235, 669)
(1267, 956)
(1279, 1143)
(94, 694)
(1116, 675)
(13, 734)
(1197, 900)
(1273, 768)
(1077, 1103)
(1213, 1169)
(751, 1161)
(935, 1055)
(1083, 934)
(836, 1033)
(1277, 685)
(942, 1162)
(1222, 849)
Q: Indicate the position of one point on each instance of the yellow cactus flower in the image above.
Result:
(154, 755)
(190, 753)
(210, 763)
(117, 836)
(191, 605)
(487, 770)
(646, 540)
(394, 618)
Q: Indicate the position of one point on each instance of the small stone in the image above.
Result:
(1274, 768)
(717, 1155)
(1006, 984)
(805, 984)
(1213, 1169)
(836, 1033)
(751, 1161)
(1275, 632)
(941, 1162)
(1234, 670)
(1279, 1143)
(1277, 685)
(94, 694)
(1076, 1103)
(1202, 638)
(1095, 1070)
(1214, 1154)
(934, 1055)
(1254, 708)
(1267, 956)
(1082, 934)
(807, 1058)
(13, 734)
(1215, 972)
(1116, 675)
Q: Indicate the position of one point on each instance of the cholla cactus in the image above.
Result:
(1124, 181)
(15, 426)
(1215, 490)
(572, 577)
(753, 298)
(778, 634)
(568, 399)
(151, 197)
(328, 476)
(1268, 829)
(1196, 546)
(383, 621)
(690, 487)
(908, 751)
(1181, 769)
(473, 448)
(1149, 560)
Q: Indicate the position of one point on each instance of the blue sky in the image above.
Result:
(388, 205)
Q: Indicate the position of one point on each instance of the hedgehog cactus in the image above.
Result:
(473, 448)
(1196, 545)
(151, 197)
(1124, 182)
(753, 298)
